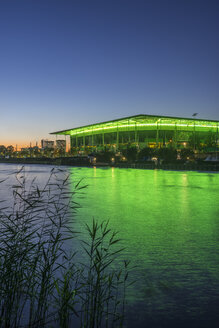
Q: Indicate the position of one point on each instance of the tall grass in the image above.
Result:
(42, 282)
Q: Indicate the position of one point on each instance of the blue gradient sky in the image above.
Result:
(70, 63)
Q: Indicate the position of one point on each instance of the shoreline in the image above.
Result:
(65, 161)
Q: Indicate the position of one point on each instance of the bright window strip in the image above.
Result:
(77, 132)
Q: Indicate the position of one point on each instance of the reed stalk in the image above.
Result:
(40, 280)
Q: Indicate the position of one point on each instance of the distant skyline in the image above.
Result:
(70, 63)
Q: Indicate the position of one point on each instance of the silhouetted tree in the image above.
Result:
(210, 140)
(166, 154)
(59, 152)
(145, 153)
(36, 152)
(10, 150)
(130, 153)
(24, 152)
(194, 141)
(186, 154)
(105, 156)
(48, 152)
(2, 150)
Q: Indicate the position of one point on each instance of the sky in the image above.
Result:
(68, 63)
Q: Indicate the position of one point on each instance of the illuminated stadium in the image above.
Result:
(144, 131)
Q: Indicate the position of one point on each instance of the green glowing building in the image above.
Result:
(144, 131)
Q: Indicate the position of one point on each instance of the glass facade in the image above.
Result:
(144, 131)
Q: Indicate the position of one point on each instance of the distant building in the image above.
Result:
(61, 144)
(47, 144)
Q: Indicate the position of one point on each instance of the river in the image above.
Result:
(169, 224)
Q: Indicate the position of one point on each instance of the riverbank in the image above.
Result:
(172, 166)
(68, 161)
(47, 161)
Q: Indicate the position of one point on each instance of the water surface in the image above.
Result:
(169, 223)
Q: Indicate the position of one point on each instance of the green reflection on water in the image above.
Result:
(169, 223)
(154, 208)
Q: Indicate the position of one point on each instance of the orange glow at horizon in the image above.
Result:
(20, 143)
(24, 144)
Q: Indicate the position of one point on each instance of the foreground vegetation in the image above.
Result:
(44, 281)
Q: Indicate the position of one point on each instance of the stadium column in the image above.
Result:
(136, 133)
(76, 139)
(216, 143)
(164, 139)
(103, 138)
(129, 132)
(157, 135)
(92, 137)
(117, 137)
(146, 139)
(175, 137)
(84, 141)
(194, 137)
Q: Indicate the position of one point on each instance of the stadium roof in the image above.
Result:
(137, 119)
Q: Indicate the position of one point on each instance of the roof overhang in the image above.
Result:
(138, 121)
